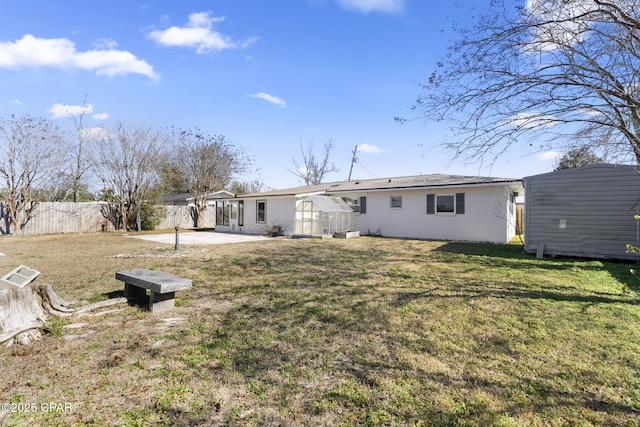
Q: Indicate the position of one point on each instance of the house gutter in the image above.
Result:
(431, 187)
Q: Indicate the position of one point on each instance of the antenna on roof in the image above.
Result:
(353, 160)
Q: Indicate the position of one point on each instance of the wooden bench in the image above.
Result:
(163, 288)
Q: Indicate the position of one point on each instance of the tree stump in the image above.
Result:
(24, 311)
(22, 315)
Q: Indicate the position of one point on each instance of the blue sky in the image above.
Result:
(267, 75)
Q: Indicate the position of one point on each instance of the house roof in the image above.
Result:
(188, 197)
(405, 182)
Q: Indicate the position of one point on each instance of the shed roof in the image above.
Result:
(586, 170)
(406, 182)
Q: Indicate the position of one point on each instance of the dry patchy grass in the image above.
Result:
(332, 332)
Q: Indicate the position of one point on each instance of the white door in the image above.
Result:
(233, 216)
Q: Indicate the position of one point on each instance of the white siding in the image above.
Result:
(489, 215)
(280, 211)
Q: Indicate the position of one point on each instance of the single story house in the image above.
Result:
(436, 206)
(179, 210)
(186, 199)
(585, 212)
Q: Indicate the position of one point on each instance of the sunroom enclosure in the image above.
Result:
(317, 216)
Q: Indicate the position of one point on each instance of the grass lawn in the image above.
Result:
(367, 331)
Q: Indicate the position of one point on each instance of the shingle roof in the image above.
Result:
(405, 182)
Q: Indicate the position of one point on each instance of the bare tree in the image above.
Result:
(540, 76)
(128, 159)
(253, 186)
(80, 165)
(203, 164)
(313, 170)
(29, 154)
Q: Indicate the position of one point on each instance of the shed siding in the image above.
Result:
(585, 212)
(489, 215)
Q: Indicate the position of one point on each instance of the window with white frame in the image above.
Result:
(396, 202)
(261, 211)
(445, 204)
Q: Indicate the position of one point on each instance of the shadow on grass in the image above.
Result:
(114, 294)
(512, 257)
(328, 318)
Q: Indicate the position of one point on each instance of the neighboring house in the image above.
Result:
(434, 206)
(586, 211)
(186, 199)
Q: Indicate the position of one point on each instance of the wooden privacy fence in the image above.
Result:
(520, 218)
(69, 217)
(180, 216)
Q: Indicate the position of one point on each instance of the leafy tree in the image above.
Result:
(128, 159)
(313, 170)
(580, 156)
(202, 164)
(29, 156)
(541, 74)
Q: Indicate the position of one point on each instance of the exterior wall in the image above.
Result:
(584, 212)
(280, 211)
(489, 215)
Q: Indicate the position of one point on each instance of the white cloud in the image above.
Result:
(105, 44)
(95, 133)
(61, 110)
(31, 51)
(558, 26)
(590, 112)
(367, 6)
(532, 120)
(371, 149)
(198, 34)
(549, 156)
(16, 101)
(270, 98)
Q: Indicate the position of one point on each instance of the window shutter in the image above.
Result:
(460, 203)
(363, 205)
(431, 204)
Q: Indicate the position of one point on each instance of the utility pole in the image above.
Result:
(353, 160)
